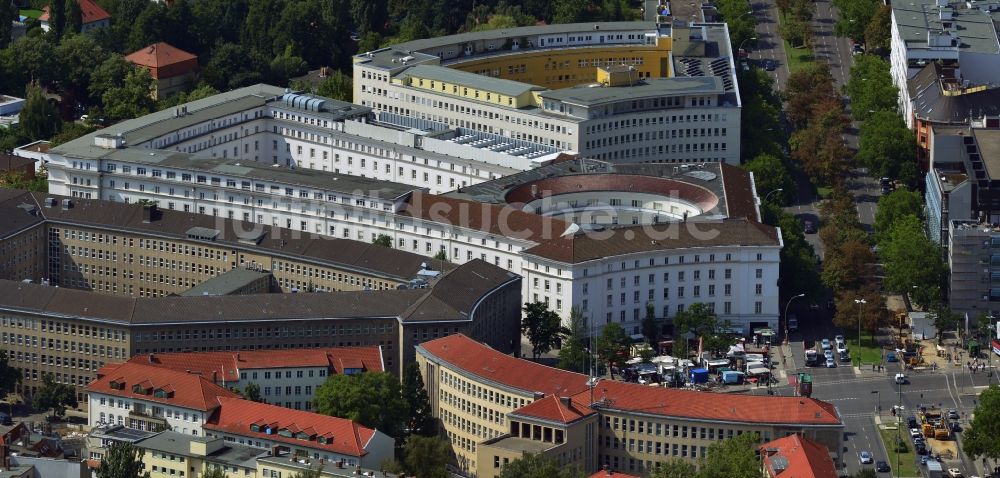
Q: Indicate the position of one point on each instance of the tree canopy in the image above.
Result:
(122, 460)
(427, 456)
(613, 344)
(372, 399)
(980, 438)
(573, 354)
(893, 207)
(913, 263)
(734, 457)
(419, 420)
(538, 466)
(885, 144)
(542, 327)
(10, 377)
(53, 396)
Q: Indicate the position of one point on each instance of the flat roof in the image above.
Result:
(533, 30)
(518, 444)
(176, 443)
(226, 283)
(974, 28)
(651, 87)
(472, 80)
(988, 141)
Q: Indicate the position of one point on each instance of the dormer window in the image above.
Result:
(140, 390)
(163, 393)
(285, 433)
(117, 385)
(255, 428)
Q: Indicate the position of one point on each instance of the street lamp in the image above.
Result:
(786, 310)
(744, 41)
(861, 304)
(768, 195)
(878, 402)
(748, 12)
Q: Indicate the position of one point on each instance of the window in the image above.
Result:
(758, 307)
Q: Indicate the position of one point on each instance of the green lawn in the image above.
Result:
(870, 351)
(798, 58)
(31, 13)
(907, 461)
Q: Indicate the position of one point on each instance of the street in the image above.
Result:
(769, 45)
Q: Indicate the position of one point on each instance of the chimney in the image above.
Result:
(274, 450)
(152, 358)
(607, 471)
(149, 213)
(66, 204)
(4, 458)
(237, 355)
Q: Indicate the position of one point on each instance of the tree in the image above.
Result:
(383, 240)
(441, 255)
(109, 74)
(770, 174)
(573, 354)
(542, 327)
(122, 460)
(804, 89)
(285, 66)
(57, 18)
(879, 29)
(913, 263)
(873, 313)
(865, 473)
(944, 319)
(132, 99)
(372, 399)
(427, 456)
(854, 17)
(39, 118)
(78, 55)
(418, 408)
(893, 207)
(732, 458)
(613, 345)
(74, 16)
(54, 396)
(214, 472)
(674, 468)
(10, 377)
(8, 15)
(34, 56)
(369, 15)
(797, 31)
(650, 329)
(760, 120)
(538, 466)
(252, 392)
(885, 144)
(980, 438)
(696, 319)
(230, 66)
(337, 86)
(870, 87)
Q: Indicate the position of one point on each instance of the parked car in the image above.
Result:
(881, 466)
(857, 49)
(915, 433)
(770, 65)
(5, 419)
(911, 422)
(955, 473)
(952, 415)
(923, 460)
(809, 227)
(865, 458)
(825, 344)
(828, 354)
(901, 379)
(920, 448)
(891, 357)
(831, 363)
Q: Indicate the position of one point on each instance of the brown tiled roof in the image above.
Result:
(553, 409)
(362, 256)
(477, 359)
(189, 391)
(740, 196)
(16, 214)
(803, 458)
(236, 416)
(489, 218)
(450, 299)
(615, 241)
(700, 196)
(90, 12)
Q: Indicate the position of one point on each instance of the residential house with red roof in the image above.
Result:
(145, 397)
(173, 70)
(299, 433)
(286, 377)
(795, 456)
(493, 406)
(92, 16)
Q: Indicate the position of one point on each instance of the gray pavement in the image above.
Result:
(769, 44)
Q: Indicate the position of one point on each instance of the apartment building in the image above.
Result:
(287, 378)
(941, 97)
(72, 333)
(974, 267)
(146, 398)
(651, 92)
(493, 407)
(958, 35)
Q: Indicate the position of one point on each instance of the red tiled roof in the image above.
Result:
(490, 218)
(159, 55)
(478, 359)
(723, 407)
(611, 474)
(236, 415)
(211, 365)
(91, 12)
(475, 358)
(190, 391)
(553, 409)
(805, 458)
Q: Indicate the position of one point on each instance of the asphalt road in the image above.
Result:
(769, 44)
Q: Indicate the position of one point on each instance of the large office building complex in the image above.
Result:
(494, 408)
(622, 92)
(132, 263)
